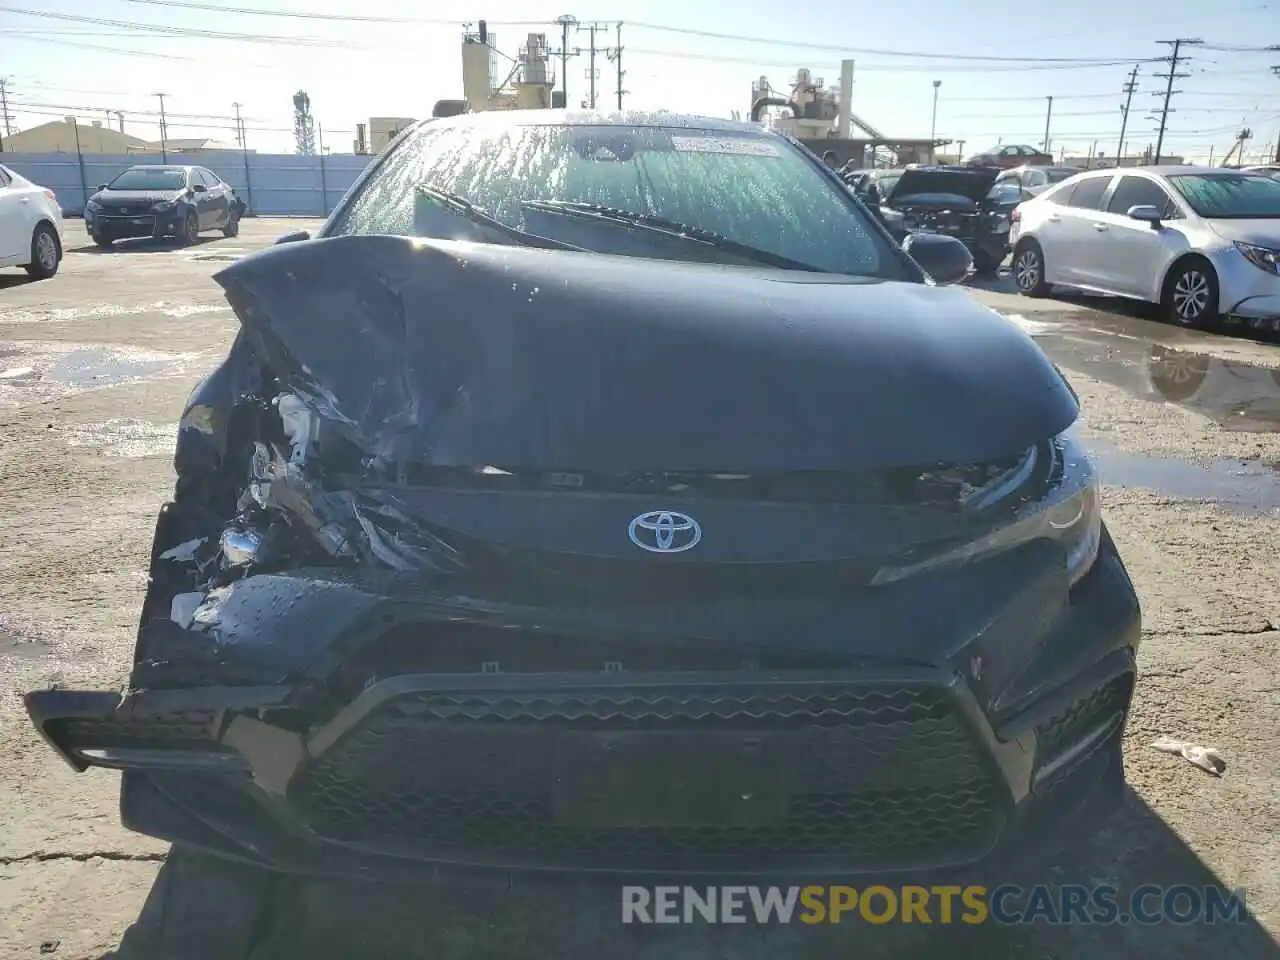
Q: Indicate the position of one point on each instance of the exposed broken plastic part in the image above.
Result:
(241, 546)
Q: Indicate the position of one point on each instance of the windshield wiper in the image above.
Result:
(652, 223)
(465, 208)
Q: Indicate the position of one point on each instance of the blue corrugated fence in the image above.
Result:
(280, 185)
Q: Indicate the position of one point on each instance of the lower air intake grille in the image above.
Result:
(609, 777)
(189, 730)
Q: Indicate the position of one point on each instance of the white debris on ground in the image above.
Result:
(1208, 759)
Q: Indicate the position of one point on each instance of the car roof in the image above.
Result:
(565, 118)
(1173, 170)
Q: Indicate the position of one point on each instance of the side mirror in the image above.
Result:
(1146, 213)
(294, 237)
(198, 188)
(102, 186)
(945, 259)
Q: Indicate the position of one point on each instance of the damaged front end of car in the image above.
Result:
(483, 558)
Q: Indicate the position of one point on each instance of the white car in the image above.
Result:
(1203, 242)
(30, 226)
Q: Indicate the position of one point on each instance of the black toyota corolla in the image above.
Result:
(156, 201)
(610, 495)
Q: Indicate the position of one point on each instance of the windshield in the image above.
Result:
(150, 178)
(749, 188)
(1230, 196)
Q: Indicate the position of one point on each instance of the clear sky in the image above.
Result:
(60, 63)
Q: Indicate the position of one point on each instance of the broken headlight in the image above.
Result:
(1069, 513)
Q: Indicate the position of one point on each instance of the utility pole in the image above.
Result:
(164, 131)
(960, 153)
(933, 124)
(1174, 58)
(591, 68)
(119, 119)
(239, 127)
(4, 106)
(1128, 91)
(1276, 71)
(1047, 117)
(565, 53)
(614, 53)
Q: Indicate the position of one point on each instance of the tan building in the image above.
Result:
(60, 136)
(382, 130)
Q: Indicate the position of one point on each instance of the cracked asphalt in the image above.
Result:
(94, 368)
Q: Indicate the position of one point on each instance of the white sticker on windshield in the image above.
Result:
(741, 146)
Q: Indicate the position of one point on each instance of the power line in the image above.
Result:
(1173, 60)
(886, 67)
(840, 48)
(89, 108)
(332, 17)
(182, 31)
(1040, 62)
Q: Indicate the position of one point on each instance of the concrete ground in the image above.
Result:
(94, 368)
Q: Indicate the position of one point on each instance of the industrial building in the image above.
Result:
(824, 119)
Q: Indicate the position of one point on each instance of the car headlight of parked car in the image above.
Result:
(164, 205)
(1264, 258)
(1069, 514)
(93, 206)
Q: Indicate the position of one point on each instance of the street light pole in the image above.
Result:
(933, 125)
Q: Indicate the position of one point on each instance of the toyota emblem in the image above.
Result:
(664, 531)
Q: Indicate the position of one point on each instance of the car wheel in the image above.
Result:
(46, 252)
(1191, 295)
(232, 228)
(1028, 269)
(190, 228)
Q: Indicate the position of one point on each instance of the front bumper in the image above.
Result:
(907, 770)
(1245, 290)
(108, 224)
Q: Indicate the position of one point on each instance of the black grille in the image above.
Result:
(875, 775)
(189, 730)
(1082, 717)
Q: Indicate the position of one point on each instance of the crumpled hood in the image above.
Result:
(1264, 233)
(972, 183)
(111, 198)
(476, 355)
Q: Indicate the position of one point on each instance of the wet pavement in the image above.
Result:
(31, 371)
(1230, 376)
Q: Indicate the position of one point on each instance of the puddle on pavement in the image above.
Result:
(1166, 365)
(1248, 487)
(45, 371)
(165, 308)
(131, 439)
